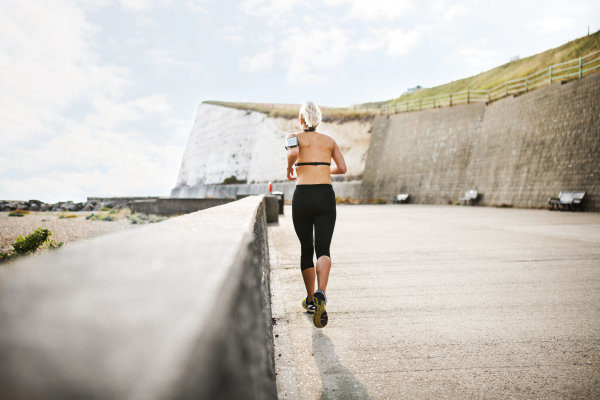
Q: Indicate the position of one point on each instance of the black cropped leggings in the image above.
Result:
(313, 205)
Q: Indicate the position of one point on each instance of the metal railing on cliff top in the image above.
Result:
(573, 69)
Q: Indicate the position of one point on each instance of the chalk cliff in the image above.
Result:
(249, 145)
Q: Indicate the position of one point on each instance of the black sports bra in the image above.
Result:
(313, 163)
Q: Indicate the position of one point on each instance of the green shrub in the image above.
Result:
(232, 180)
(29, 244)
(346, 200)
(105, 209)
(62, 216)
(350, 200)
(16, 214)
(140, 218)
(100, 217)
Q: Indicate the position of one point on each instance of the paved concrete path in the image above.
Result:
(436, 302)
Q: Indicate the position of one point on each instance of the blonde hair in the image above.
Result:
(310, 114)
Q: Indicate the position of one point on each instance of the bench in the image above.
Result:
(401, 198)
(470, 195)
(566, 200)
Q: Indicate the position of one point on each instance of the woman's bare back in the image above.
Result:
(314, 147)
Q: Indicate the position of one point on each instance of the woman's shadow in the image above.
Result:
(338, 381)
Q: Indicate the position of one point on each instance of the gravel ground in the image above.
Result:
(68, 230)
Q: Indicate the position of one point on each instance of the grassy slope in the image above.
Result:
(518, 69)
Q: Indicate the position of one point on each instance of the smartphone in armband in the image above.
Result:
(291, 142)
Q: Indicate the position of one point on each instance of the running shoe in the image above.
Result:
(309, 307)
(320, 316)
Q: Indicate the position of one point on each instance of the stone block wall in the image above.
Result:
(518, 150)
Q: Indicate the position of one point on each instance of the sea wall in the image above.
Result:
(249, 145)
(518, 151)
(341, 189)
(169, 206)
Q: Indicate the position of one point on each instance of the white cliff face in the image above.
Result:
(250, 146)
(354, 138)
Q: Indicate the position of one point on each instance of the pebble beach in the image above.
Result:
(67, 230)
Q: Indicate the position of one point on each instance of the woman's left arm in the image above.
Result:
(340, 163)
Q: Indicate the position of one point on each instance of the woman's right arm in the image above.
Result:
(338, 158)
(292, 156)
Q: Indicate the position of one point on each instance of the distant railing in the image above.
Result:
(573, 69)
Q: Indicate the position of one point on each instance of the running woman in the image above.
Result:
(313, 204)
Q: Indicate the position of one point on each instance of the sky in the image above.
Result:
(97, 97)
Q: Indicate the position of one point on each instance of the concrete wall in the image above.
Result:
(178, 309)
(342, 189)
(250, 146)
(168, 206)
(120, 200)
(519, 150)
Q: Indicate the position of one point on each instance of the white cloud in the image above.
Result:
(454, 11)
(111, 114)
(94, 5)
(308, 51)
(233, 34)
(274, 9)
(401, 42)
(448, 12)
(143, 5)
(148, 5)
(551, 23)
(397, 42)
(267, 37)
(370, 10)
(168, 60)
(368, 45)
(198, 6)
(258, 63)
(476, 57)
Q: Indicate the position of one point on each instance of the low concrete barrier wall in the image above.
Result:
(168, 206)
(342, 189)
(120, 200)
(272, 206)
(178, 309)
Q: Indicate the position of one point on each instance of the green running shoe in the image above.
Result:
(309, 307)
(320, 316)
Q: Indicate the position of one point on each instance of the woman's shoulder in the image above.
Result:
(293, 134)
(327, 138)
